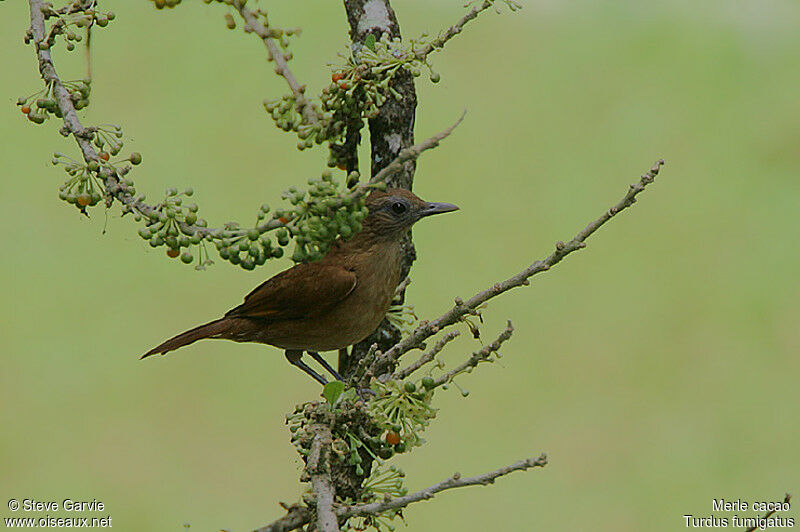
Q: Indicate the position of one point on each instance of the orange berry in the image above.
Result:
(392, 438)
(84, 200)
(341, 166)
(26, 109)
(172, 253)
(283, 220)
(337, 76)
(104, 155)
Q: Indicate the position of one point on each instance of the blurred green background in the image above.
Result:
(658, 368)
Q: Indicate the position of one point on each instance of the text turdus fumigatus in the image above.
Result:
(329, 304)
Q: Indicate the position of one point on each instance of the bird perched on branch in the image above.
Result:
(329, 304)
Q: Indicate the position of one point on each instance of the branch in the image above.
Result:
(427, 329)
(477, 357)
(321, 482)
(456, 481)
(453, 30)
(753, 528)
(252, 24)
(294, 519)
(413, 152)
(427, 356)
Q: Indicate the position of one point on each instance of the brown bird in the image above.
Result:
(329, 304)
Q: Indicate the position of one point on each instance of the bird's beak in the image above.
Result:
(437, 208)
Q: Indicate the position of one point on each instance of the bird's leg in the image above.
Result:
(343, 360)
(294, 359)
(325, 365)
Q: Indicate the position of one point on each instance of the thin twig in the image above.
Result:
(296, 517)
(428, 328)
(456, 481)
(281, 66)
(786, 500)
(427, 356)
(477, 357)
(413, 152)
(453, 30)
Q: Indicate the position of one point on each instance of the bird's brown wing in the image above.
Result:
(302, 291)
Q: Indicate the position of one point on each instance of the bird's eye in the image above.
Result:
(398, 207)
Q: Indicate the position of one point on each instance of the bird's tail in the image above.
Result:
(213, 329)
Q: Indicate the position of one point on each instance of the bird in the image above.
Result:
(329, 304)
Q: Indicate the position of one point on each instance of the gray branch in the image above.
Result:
(456, 481)
(252, 24)
(453, 30)
(321, 483)
(296, 519)
(427, 329)
(412, 153)
(427, 356)
(477, 357)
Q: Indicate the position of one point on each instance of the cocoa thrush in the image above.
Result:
(329, 304)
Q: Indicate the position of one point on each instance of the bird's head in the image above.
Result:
(394, 211)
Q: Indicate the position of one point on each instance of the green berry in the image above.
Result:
(428, 382)
(186, 257)
(410, 387)
(385, 452)
(135, 158)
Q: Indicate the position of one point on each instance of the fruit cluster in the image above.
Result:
(322, 214)
(354, 430)
(42, 104)
(172, 224)
(402, 411)
(357, 90)
(384, 482)
(85, 186)
(71, 19)
(161, 4)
